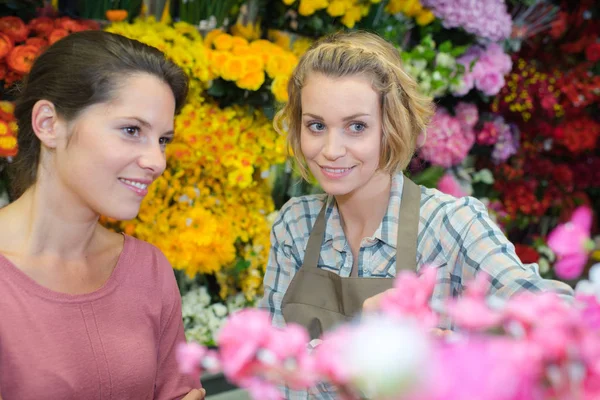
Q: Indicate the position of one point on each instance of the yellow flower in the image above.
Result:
(281, 64)
(425, 18)
(7, 106)
(248, 31)
(254, 63)
(288, 2)
(352, 15)
(251, 81)
(337, 8)
(308, 7)
(279, 88)
(210, 37)
(224, 41)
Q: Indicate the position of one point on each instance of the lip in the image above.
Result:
(328, 172)
(138, 191)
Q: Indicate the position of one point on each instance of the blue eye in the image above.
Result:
(357, 127)
(316, 126)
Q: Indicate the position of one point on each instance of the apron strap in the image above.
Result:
(408, 231)
(408, 227)
(315, 240)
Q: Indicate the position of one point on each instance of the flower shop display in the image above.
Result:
(499, 349)
(517, 84)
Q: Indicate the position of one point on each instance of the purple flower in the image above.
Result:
(507, 143)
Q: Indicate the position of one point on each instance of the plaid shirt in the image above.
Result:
(456, 236)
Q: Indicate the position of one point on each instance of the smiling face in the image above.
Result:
(112, 151)
(341, 132)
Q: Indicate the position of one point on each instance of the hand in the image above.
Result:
(195, 394)
(372, 303)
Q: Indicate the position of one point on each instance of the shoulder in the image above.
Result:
(296, 218)
(148, 264)
(438, 208)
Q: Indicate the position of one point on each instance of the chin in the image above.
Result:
(122, 214)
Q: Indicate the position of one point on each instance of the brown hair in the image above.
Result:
(76, 72)
(405, 111)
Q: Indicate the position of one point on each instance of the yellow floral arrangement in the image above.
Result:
(411, 8)
(349, 11)
(181, 42)
(248, 64)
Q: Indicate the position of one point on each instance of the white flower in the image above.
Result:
(387, 357)
(590, 287)
(445, 60)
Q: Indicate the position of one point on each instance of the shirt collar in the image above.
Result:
(387, 231)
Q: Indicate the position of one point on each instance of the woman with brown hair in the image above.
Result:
(87, 313)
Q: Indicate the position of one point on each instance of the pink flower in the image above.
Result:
(571, 243)
(448, 184)
(471, 311)
(189, 358)
(446, 142)
(245, 333)
(411, 297)
(489, 81)
(488, 134)
(467, 114)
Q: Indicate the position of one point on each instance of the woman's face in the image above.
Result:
(341, 131)
(113, 151)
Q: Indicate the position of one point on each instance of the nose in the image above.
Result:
(334, 147)
(153, 159)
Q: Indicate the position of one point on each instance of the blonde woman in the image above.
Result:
(352, 120)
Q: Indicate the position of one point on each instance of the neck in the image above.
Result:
(364, 209)
(49, 221)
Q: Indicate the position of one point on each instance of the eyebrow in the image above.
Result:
(348, 118)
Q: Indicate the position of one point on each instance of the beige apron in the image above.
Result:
(319, 299)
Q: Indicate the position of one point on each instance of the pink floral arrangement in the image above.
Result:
(486, 18)
(448, 139)
(485, 69)
(532, 346)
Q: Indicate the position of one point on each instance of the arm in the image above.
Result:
(170, 383)
(475, 243)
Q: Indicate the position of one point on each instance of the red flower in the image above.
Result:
(563, 177)
(592, 52)
(6, 45)
(38, 42)
(15, 28)
(21, 58)
(42, 26)
(56, 35)
(527, 254)
(580, 134)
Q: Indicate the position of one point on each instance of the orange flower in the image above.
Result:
(15, 28)
(21, 58)
(56, 35)
(6, 45)
(8, 146)
(251, 81)
(116, 15)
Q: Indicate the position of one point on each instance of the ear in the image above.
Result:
(45, 123)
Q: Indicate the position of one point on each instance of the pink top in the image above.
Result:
(115, 343)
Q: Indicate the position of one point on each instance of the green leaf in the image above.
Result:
(430, 177)
(217, 89)
(445, 47)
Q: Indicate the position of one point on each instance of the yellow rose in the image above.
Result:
(210, 37)
(224, 41)
(251, 81)
(279, 88)
(281, 64)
